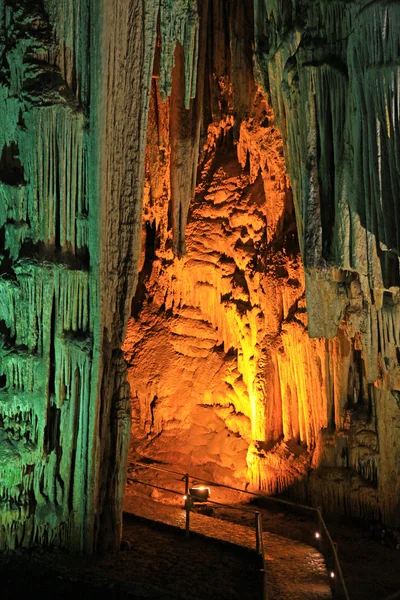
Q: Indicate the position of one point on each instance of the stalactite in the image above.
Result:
(349, 148)
(185, 123)
(71, 54)
(335, 96)
(179, 22)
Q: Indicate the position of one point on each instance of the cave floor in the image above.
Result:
(294, 569)
(371, 570)
(158, 564)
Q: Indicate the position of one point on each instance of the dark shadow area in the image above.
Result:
(158, 563)
(53, 254)
(11, 168)
(150, 253)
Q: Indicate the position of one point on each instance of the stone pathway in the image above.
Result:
(295, 571)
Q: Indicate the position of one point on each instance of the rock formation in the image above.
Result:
(228, 370)
(73, 133)
(213, 187)
(332, 72)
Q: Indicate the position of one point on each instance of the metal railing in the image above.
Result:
(393, 596)
(339, 587)
(189, 498)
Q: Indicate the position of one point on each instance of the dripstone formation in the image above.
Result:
(199, 207)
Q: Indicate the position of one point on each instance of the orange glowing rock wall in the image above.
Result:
(224, 376)
(221, 368)
(206, 325)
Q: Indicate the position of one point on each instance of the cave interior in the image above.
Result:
(199, 255)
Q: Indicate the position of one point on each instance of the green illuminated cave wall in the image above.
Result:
(74, 93)
(49, 303)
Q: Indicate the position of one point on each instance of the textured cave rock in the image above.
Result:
(268, 123)
(75, 80)
(49, 312)
(332, 72)
(221, 364)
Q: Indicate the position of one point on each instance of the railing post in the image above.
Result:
(320, 529)
(259, 540)
(260, 552)
(187, 505)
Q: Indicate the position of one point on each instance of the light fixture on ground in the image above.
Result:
(200, 493)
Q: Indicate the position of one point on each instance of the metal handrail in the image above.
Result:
(199, 499)
(316, 511)
(155, 468)
(228, 487)
(157, 487)
(188, 506)
(334, 552)
(393, 596)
